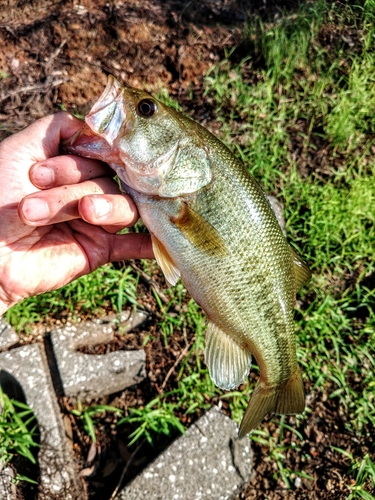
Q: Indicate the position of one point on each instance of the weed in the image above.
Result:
(156, 418)
(87, 415)
(363, 473)
(16, 437)
(305, 98)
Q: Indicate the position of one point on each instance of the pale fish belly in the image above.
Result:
(245, 293)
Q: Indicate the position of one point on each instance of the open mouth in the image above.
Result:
(103, 125)
(108, 114)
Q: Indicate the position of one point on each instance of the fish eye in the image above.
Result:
(146, 108)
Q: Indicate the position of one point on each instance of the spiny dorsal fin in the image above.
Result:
(228, 363)
(200, 232)
(302, 273)
(169, 268)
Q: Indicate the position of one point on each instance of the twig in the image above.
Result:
(126, 468)
(55, 53)
(32, 88)
(150, 282)
(182, 355)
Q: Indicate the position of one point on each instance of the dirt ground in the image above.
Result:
(59, 54)
(56, 55)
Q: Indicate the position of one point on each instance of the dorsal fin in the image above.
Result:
(228, 363)
(165, 261)
(200, 232)
(302, 273)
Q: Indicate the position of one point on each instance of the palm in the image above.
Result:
(45, 259)
(37, 257)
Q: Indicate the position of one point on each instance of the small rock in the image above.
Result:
(8, 336)
(7, 486)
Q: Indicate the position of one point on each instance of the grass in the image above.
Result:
(313, 97)
(88, 414)
(305, 87)
(16, 435)
(105, 289)
(330, 215)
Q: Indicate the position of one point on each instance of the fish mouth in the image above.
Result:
(85, 142)
(108, 115)
(104, 124)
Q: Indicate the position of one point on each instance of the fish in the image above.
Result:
(211, 226)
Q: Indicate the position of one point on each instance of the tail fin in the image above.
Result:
(284, 400)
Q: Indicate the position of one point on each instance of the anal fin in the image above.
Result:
(288, 399)
(228, 363)
(169, 268)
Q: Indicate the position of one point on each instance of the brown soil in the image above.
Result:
(56, 55)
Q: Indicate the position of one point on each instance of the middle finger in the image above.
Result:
(60, 204)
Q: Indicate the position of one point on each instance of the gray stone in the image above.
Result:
(7, 486)
(89, 376)
(208, 463)
(8, 336)
(27, 367)
(277, 208)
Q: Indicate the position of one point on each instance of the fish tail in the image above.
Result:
(284, 400)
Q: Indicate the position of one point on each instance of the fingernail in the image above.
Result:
(43, 176)
(35, 209)
(101, 207)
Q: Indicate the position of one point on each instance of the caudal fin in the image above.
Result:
(284, 400)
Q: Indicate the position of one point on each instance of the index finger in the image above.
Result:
(67, 170)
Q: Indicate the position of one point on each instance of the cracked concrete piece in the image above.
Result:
(8, 336)
(208, 463)
(27, 368)
(89, 376)
(7, 486)
(277, 208)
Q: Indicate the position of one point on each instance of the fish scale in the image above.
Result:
(211, 225)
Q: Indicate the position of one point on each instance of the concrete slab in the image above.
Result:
(87, 376)
(27, 368)
(208, 463)
(8, 336)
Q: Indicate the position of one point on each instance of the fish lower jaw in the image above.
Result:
(146, 179)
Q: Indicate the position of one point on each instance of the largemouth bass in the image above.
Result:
(212, 226)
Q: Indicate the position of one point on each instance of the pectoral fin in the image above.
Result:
(165, 261)
(200, 232)
(228, 363)
(302, 273)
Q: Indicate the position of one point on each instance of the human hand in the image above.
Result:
(57, 213)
